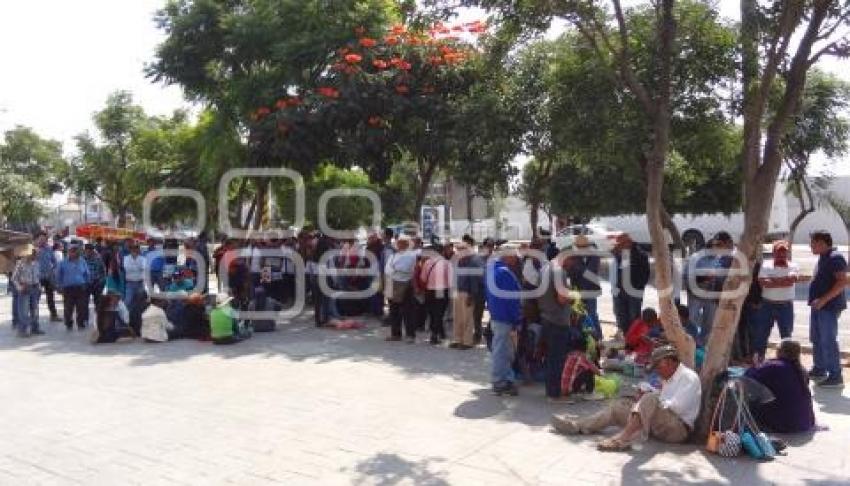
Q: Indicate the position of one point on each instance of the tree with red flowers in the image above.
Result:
(387, 95)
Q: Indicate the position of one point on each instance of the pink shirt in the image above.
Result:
(438, 272)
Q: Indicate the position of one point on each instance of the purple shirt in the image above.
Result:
(792, 410)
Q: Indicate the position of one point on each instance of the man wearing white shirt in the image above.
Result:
(777, 278)
(135, 266)
(667, 415)
(399, 273)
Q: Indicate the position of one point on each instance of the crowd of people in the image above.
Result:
(543, 319)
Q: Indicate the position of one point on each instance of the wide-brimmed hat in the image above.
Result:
(581, 241)
(661, 353)
(23, 250)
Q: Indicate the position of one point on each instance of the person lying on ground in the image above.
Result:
(667, 415)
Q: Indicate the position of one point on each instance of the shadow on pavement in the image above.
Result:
(831, 401)
(385, 469)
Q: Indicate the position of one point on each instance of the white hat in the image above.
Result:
(222, 300)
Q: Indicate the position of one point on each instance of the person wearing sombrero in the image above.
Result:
(25, 281)
(667, 414)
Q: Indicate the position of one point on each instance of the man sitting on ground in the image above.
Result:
(667, 415)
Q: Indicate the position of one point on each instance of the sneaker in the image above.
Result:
(454, 345)
(37, 332)
(565, 426)
(505, 388)
(832, 382)
(393, 338)
(55, 319)
(817, 376)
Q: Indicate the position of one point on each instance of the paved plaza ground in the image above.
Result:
(310, 406)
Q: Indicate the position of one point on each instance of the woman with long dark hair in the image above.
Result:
(791, 410)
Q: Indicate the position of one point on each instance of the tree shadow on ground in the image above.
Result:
(386, 469)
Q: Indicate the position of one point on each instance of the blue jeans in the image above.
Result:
(823, 333)
(27, 309)
(626, 309)
(782, 313)
(329, 307)
(702, 313)
(503, 353)
(130, 291)
(14, 291)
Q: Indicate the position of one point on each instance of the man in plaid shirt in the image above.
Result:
(97, 273)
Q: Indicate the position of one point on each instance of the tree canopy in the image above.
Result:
(31, 168)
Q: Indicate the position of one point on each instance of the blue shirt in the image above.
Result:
(72, 273)
(155, 260)
(828, 265)
(46, 262)
(503, 308)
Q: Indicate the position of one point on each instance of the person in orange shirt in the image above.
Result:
(643, 332)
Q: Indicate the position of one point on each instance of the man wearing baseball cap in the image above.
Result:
(668, 414)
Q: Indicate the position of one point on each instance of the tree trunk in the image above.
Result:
(470, 199)
(426, 173)
(671, 227)
(660, 114)
(761, 170)
(669, 314)
(250, 216)
(534, 218)
(803, 189)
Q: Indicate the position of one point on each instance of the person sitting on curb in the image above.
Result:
(667, 415)
(642, 335)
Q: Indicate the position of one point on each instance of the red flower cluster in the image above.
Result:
(380, 64)
(367, 42)
(328, 92)
(283, 103)
(353, 58)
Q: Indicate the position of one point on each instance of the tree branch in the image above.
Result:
(629, 77)
(779, 45)
(795, 83)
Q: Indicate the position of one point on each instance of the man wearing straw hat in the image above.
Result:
(668, 415)
(26, 280)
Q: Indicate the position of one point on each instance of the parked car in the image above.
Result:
(601, 237)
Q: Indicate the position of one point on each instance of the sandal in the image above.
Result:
(613, 445)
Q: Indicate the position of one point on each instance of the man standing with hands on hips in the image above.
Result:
(827, 300)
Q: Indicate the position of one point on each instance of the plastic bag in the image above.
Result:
(123, 312)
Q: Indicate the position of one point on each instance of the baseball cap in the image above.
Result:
(661, 353)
